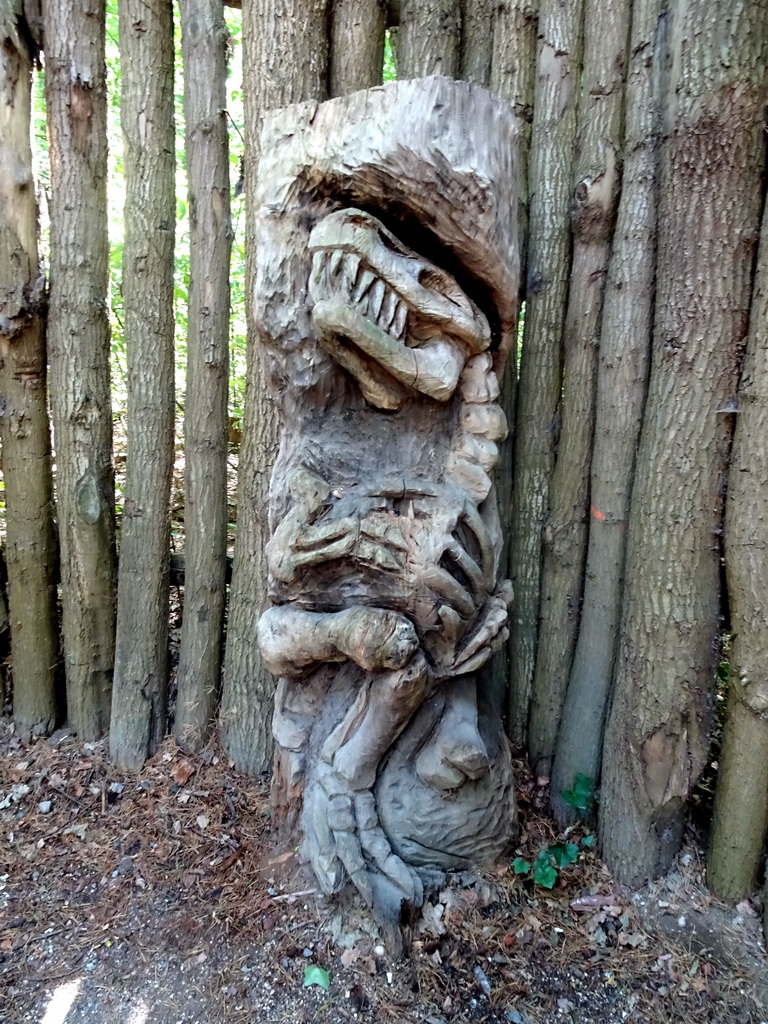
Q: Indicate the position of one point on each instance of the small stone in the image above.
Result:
(378, 950)
(45, 806)
(116, 788)
(125, 866)
(514, 1016)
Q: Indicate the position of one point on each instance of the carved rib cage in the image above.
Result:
(383, 360)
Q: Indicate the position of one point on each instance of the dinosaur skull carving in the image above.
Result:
(398, 323)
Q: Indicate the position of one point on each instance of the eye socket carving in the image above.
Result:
(435, 279)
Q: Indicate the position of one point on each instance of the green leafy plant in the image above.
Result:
(546, 868)
(316, 976)
(581, 795)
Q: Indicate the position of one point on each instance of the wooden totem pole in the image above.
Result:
(387, 290)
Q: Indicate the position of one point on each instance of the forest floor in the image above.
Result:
(159, 899)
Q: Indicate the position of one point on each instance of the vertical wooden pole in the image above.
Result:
(476, 48)
(622, 376)
(429, 38)
(740, 818)
(204, 43)
(141, 662)
(597, 178)
(357, 45)
(30, 543)
(285, 61)
(78, 346)
(558, 68)
(712, 166)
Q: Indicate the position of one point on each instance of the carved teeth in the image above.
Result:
(351, 267)
(336, 257)
(363, 284)
(388, 310)
(401, 315)
(346, 274)
(376, 299)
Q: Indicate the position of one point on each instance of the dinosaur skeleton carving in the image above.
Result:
(385, 540)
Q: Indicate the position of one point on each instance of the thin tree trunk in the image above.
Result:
(78, 346)
(740, 820)
(625, 346)
(512, 76)
(513, 61)
(712, 167)
(476, 41)
(285, 61)
(429, 38)
(141, 659)
(597, 176)
(5, 630)
(204, 44)
(357, 45)
(549, 256)
(30, 541)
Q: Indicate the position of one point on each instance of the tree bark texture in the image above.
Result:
(712, 172)
(5, 629)
(740, 819)
(285, 61)
(139, 695)
(476, 41)
(597, 177)
(78, 347)
(513, 63)
(30, 542)
(622, 376)
(384, 554)
(558, 69)
(204, 42)
(512, 76)
(357, 45)
(429, 38)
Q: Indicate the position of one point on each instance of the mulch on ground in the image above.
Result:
(159, 898)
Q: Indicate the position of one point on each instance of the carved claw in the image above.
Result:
(348, 841)
(487, 636)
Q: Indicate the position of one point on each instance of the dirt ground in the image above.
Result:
(159, 899)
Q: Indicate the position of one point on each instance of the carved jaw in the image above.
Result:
(394, 320)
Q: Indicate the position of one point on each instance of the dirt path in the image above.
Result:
(156, 899)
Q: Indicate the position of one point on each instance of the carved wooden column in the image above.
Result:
(387, 290)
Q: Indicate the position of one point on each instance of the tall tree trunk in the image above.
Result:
(476, 48)
(78, 345)
(712, 167)
(740, 820)
(513, 62)
(597, 175)
(512, 77)
(285, 61)
(549, 256)
(141, 656)
(30, 542)
(204, 45)
(357, 45)
(622, 375)
(5, 630)
(429, 38)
